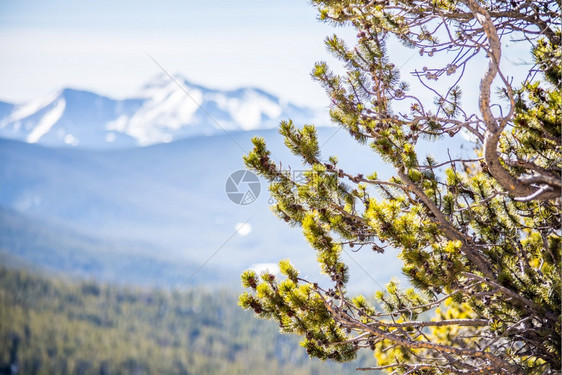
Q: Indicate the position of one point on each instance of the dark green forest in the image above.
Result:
(59, 326)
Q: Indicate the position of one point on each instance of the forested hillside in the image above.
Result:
(61, 327)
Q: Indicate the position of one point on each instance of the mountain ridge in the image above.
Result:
(164, 110)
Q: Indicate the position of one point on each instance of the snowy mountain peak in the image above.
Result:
(163, 110)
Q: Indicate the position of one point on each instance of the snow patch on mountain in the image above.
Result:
(71, 140)
(26, 110)
(250, 108)
(168, 110)
(47, 122)
(110, 137)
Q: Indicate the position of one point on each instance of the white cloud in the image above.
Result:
(260, 268)
(243, 229)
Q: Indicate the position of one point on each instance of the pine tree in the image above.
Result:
(479, 238)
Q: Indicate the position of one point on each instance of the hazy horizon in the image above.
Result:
(105, 47)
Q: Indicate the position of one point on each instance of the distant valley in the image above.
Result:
(159, 214)
(164, 202)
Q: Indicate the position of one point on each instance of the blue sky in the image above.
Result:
(103, 45)
(140, 15)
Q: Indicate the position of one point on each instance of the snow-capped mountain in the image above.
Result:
(163, 110)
